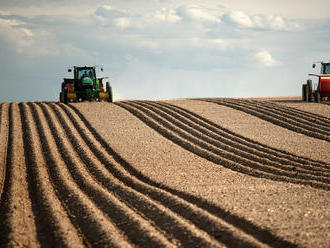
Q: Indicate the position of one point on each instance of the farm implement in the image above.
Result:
(85, 86)
(322, 91)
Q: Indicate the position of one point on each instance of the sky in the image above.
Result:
(163, 49)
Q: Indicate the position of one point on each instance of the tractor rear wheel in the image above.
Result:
(309, 90)
(304, 92)
(65, 96)
(317, 97)
(61, 97)
(109, 91)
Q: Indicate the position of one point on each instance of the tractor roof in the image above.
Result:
(85, 67)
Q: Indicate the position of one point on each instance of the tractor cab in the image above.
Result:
(325, 68)
(81, 72)
(85, 77)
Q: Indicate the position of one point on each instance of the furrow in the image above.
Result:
(189, 234)
(3, 143)
(202, 221)
(221, 142)
(171, 224)
(216, 155)
(142, 205)
(95, 226)
(276, 153)
(55, 226)
(312, 117)
(310, 114)
(301, 123)
(18, 208)
(136, 229)
(217, 132)
(279, 115)
(279, 111)
(201, 213)
(227, 152)
(277, 120)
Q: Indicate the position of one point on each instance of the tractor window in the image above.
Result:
(86, 73)
(326, 69)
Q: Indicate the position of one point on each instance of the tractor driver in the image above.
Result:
(84, 75)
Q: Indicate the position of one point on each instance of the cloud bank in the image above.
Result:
(156, 49)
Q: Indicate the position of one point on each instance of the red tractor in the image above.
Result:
(322, 92)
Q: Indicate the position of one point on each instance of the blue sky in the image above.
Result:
(159, 49)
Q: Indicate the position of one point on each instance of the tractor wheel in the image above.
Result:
(65, 96)
(61, 97)
(309, 90)
(109, 91)
(304, 92)
(317, 97)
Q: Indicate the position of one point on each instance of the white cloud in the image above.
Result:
(293, 9)
(266, 59)
(276, 22)
(240, 18)
(122, 22)
(267, 22)
(107, 11)
(10, 22)
(15, 34)
(120, 18)
(25, 39)
(197, 13)
(107, 7)
(167, 15)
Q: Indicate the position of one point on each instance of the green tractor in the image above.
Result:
(85, 86)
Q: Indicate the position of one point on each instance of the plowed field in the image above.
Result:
(181, 173)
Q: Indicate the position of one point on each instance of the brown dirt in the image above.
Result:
(173, 173)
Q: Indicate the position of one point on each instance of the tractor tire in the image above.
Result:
(61, 97)
(65, 96)
(317, 97)
(304, 92)
(109, 91)
(309, 90)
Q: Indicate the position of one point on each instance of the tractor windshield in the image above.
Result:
(326, 69)
(88, 72)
